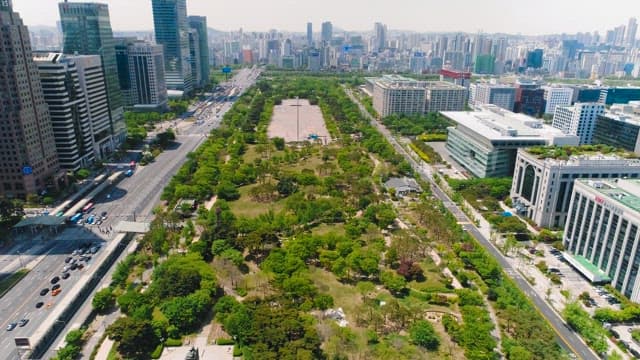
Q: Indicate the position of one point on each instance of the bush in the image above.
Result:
(157, 353)
(173, 342)
(423, 334)
(223, 341)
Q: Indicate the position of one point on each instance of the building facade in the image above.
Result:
(620, 127)
(485, 142)
(28, 155)
(602, 230)
(86, 29)
(399, 95)
(67, 101)
(503, 96)
(172, 32)
(579, 119)
(142, 64)
(541, 188)
(556, 96)
(327, 32)
(199, 24)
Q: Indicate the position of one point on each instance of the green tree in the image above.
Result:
(423, 334)
(103, 300)
(395, 283)
(227, 191)
(278, 142)
(136, 338)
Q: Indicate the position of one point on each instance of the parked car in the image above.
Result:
(23, 322)
(44, 291)
(66, 275)
(11, 326)
(55, 279)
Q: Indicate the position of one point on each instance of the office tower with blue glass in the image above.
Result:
(172, 32)
(198, 25)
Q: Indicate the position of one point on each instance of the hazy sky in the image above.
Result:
(511, 16)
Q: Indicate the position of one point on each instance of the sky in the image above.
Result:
(528, 17)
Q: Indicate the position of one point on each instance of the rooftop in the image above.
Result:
(401, 82)
(582, 152)
(622, 191)
(495, 123)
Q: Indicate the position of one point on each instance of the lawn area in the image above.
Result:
(344, 296)
(245, 206)
(324, 229)
(10, 281)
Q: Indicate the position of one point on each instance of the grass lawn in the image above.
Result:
(10, 281)
(324, 229)
(245, 206)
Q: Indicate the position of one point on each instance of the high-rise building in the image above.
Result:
(172, 32)
(309, 34)
(141, 67)
(503, 96)
(556, 96)
(194, 57)
(327, 32)
(28, 156)
(579, 119)
(485, 64)
(199, 24)
(534, 59)
(542, 185)
(87, 30)
(601, 234)
(380, 30)
(67, 103)
(632, 29)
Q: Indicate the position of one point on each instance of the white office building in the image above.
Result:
(601, 233)
(394, 94)
(579, 119)
(542, 184)
(486, 142)
(556, 96)
(67, 104)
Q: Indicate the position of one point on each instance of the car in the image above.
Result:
(75, 252)
(66, 269)
(11, 326)
(66, 275)
(55, 287)
(73, 261)
(73, 266)
(68, 260)
(80, 222)
(55, 279)
(56, 292)
(39, 304)
(44, 291)
(554, 270)
(23, 322)
(99, 222)
(94, 249)
(80, 266)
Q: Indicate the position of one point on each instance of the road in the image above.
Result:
(132, 199)
(566, 337)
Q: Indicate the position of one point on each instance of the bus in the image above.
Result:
(87, 208)
(74, 219)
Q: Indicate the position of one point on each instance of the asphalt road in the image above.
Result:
(133, 198)
(566, 337)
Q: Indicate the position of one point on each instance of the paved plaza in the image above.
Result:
(298, 120)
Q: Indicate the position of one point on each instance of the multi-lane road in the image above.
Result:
(567, 338)
(132, 199)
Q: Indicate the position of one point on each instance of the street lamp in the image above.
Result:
(20, 259)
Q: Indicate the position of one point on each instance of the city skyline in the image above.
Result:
(497, 16)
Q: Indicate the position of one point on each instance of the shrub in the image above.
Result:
(157, 353)
(173, 342)
(223, 341)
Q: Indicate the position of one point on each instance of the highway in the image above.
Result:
(133, 198)
(566, 337)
